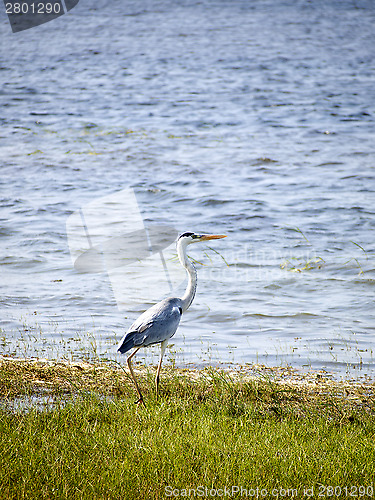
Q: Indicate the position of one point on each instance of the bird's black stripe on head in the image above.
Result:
(180, 309)
(186, 234)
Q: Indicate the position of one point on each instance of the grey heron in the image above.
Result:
(160, 322)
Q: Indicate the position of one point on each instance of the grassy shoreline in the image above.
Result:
(210, 431)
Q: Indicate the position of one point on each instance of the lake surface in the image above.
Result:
(250, 118)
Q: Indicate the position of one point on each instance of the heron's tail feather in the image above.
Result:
(126, 343)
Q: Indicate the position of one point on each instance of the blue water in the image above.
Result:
(249, 118)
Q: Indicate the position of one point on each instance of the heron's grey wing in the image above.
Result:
(155, 325)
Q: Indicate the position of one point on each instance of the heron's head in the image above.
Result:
(188, 238)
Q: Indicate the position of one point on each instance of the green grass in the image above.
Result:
(206, 430)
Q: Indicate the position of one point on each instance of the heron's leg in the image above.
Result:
(163, 346)
(140, 400)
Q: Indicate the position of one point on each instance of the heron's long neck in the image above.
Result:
(189, 294)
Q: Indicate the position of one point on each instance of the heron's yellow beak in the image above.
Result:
(206, 237)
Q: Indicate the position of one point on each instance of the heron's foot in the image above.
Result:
(140, 402)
